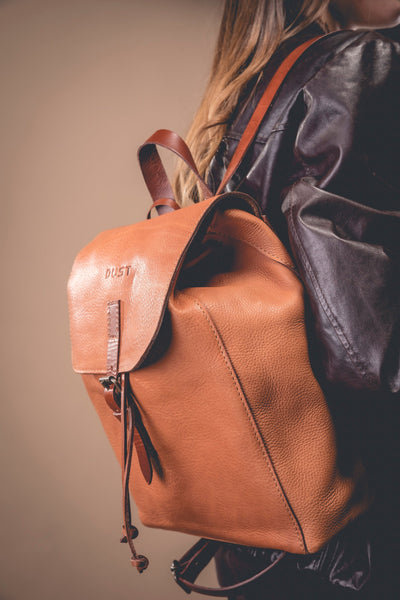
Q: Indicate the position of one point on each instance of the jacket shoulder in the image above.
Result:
(345, 55)
(346, 85)
(358, 54)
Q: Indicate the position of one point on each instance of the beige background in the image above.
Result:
(83, 83)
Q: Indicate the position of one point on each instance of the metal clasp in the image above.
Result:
(109, 381)
(175, 569)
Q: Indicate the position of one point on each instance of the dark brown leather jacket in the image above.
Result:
(335, 124)
(335, 121)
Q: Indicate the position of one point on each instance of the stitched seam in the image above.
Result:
(262, 250)
(258, 139)
(254, 427)
(338, 330)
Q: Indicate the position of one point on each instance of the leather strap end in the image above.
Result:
(143, 457)
(110, 399)
(140, 562)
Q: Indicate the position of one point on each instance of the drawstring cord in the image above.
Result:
(129, 531)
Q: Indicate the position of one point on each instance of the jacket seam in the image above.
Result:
(237, 137)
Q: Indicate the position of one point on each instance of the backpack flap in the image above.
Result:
(135, 267)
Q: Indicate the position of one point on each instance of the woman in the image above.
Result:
(340, 132)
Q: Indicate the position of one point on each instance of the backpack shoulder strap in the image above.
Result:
(261, 110)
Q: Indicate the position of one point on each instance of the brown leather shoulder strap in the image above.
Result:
(261, 109)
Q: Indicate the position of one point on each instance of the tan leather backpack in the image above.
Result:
(188, 330)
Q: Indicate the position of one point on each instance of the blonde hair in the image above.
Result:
(250, 33)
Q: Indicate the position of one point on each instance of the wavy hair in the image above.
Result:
(250, 33)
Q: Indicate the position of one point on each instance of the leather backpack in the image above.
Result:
(188, 330)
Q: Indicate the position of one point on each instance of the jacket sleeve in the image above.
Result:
(342, 207)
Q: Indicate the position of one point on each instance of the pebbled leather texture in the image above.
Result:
(324, 169)
(229, 426)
